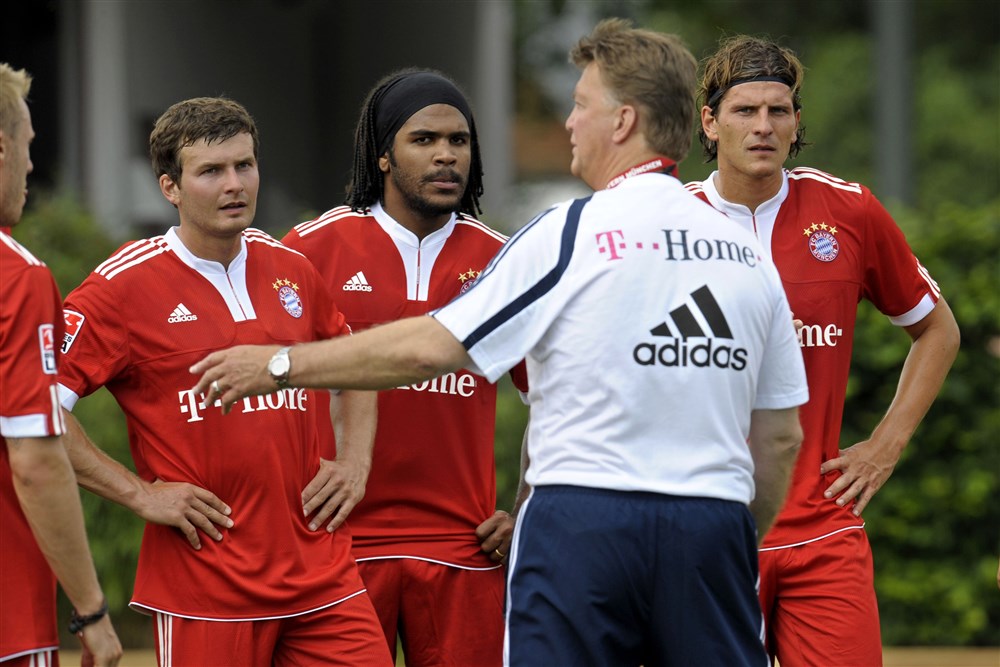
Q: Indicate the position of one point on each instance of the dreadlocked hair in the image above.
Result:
(367, 184)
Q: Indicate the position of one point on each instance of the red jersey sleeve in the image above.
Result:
(519, 376)
(30, 326)
(330, 322)
(894, 280)
(95, 348)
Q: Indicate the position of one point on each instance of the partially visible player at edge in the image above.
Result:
(279, 587)
(834, 244)
(427, 536)
(41, 520)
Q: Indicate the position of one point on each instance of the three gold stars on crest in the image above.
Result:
(816, 227)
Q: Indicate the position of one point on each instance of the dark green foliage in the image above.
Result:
(512, 418)
(934, 526)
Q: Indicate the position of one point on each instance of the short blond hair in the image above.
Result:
(651, 70)
(14, 86)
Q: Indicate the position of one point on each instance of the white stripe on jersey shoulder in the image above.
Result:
(926, 275)
(133, 254)
(253, 235)
(821, 176)
(21, 251)
(463, 219)
(695, 187)
(334, 214)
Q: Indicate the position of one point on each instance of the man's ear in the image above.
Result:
(170, 189)
(626, 123)
(708, 124)
(383, 163)
(3, 144)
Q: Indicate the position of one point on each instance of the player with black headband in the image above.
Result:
(427, 536)
(834, 244)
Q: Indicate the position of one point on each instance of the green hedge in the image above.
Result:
(934, 526)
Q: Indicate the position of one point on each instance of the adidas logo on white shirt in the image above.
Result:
(181, 314)
(357, 283)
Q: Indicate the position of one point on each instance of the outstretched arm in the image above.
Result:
(46, 489)
(340, 484)
(187, 507)
(867, 465)
(391, 355)
(775, 437)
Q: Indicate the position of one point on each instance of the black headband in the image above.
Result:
(714, 99)
(409, 94)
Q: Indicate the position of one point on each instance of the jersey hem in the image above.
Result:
(21, 654)
(813, 539)
(149, 611)
(428, 560)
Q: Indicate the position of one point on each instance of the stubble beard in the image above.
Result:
(424, 206)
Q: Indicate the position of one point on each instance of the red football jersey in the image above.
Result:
(834, 244)
(30, 326)
(136, 325)
(433, 477)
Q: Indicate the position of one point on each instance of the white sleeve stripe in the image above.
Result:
(338, 213)
(111, 273)
(275, 244)
(472, 222)
(132, 255)
(931, 283)
(21, 250)
(820, 177)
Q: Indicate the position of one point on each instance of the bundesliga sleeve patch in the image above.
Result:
(74, 322)
(47, 346)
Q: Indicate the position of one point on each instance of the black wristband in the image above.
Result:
(78, 623)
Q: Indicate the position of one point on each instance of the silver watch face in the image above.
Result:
(279, 365)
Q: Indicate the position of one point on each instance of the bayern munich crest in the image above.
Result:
(822, 241)
(468, 279)
(288, 295)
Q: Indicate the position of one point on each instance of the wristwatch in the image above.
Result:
(280, 366)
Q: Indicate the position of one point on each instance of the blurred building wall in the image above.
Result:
(302, 68)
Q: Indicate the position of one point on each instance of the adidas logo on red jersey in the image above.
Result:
(357, 283)
(181, 314)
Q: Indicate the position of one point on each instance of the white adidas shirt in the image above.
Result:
(652, 326)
